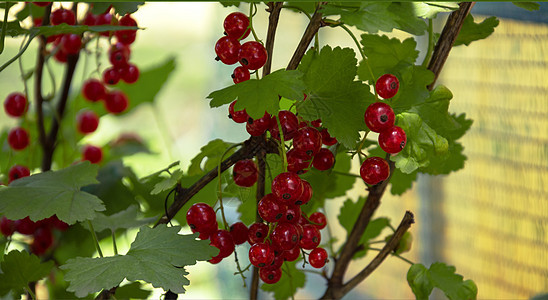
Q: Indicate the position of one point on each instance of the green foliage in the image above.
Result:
(157, 256)
(53, 193)
(292, 279)
(258, 96)
(211, 153)
(19, 268)
(168, 183)
(530, 6)
(132, 291)
(121, 8)
(472, 31)
(128, 218)
(422, 281)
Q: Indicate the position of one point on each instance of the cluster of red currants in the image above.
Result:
(41, 231)
(252, 55)
(379, 117)
(16, 105)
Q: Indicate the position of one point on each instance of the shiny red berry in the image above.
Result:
(327, 139)
(240, 74)
(90, 19)
(318, 258)
(289, 123)
(227, 50)
(130, 73)
(379, 117)
(71, 43)
(7, 226)
(239, 233)
(374, 170)
(236, 25)
(245, 173)
(387, 86)
(392, 140)
(111, 76)
(15, 104)
(119, 55)
(60, 16)
(252, 55)
(318, 219)
(292, 254)
(287, 187)
(92, 153)
(308, 140)
(261, 255)
(93, 90)
(18, 138)
(292, 214)
(201, 218)
(17, 172)
(297, 162)
(311, 237)
(306, 195)
(116, 102)
(270, 275)
(323, 160)
(25, 226)
(285, 235)
(106, 19)
(87, 121)
(270, 209)
(222, 240)
(239, 116)
(258, 126)
(257, 233)
(126, 37)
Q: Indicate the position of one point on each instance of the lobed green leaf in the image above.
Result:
(19, 268)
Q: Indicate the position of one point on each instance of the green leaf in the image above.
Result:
(430, 10)
(132, 291)
(19, 268)
(292, 279)
(370, 16)
(407, 18)
(125, 219)
(13, 28)
(413, 87)
(333, 95)
(168, 183)
(439, 275)
(157, 174)
(212, 153)
(53, 193)
(157, 256)
(258, 96)
(401, 182)
(417, 278)
(530, 6)
(472, 31)
(121, 8)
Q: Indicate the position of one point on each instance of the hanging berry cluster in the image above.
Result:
(379, 117)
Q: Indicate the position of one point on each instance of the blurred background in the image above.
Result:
(490, 219)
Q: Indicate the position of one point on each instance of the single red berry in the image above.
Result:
(111, 76)
(308, 140)
(130, 73)
(288, 122)
(236, 25)
(116, 102)
(252, 55)
(17, 172)
(25, 226)
(392, 140)
(285, 235)
(303, 220)
(240, 74)
(379, 116)
(71, 43)
(239, 116)
(245, 173)
(292, 254)
(297, 162)
(126, 37)
(311, 237)
(270, 275)
(387, 86)
(37, 22)
(323, 160)
(60, 16)
(239, 233)
(261, 255)
(227, 50)
(60, 225)
(43, 240)
(61, 56)
(292, 214)
(374, 170)
(318, 219)
(257, 233)
(90, 19)
(15, 104)
(87, 121)
(18, 138)
(92, 154)
(270, 209)
(287, 187)
(259, 126)
(306, 195)
(318, 258)
(93, 90)
(7, 226)
(222, 240)
(118, 55)
(327, 139)
(201, 218)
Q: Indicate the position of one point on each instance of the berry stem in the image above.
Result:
(95, 240)
(253, 6)
(31, 293)
(240, 271)
(220, 193)
(9, 62)
(393, 254)
(345, 174)
(4, 27)
(430, 43)
(114, 243)
(282, 145)
(24, 77)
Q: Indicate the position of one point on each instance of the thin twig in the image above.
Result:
(309, 33)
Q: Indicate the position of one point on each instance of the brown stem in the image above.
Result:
(274, 8)
(447, 39)
(308, 35)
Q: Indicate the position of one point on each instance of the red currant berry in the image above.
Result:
(240, 74)
(374, 170)
(87, 121)
(25, 226)
(270, 275)
(318, 258)
(311, 237)
(17, 172)
(18, 138)
(201, 218)
(288, 122)
(222, 240)
(60, 225)
(297, 162)
(303, 220)
(285, 235)
(316, 123)
(306, 195)
(392, 140)
(93, 90)
(323, 160)
(62, 15)
(126, 37)
(227, 50)
(318, 219)
(106, 19)
(130, 73)
(116, 102)
(259, 126)
(43, 239)
(270, 209)
(308, 140)
(111, 76)
(327, 139)
(90, 19)
(292, 254)
(7, 226)
(239, 116)
(236, 25)
(239, 233)
(379, 117)
(119, 55)
(252, 55)
(278, 259)
(387, 86)
(261, 255)
(15, 104)
(292, 214)
(92, 154)
(71, 43)
(257, 233)
(287, 187)
(245, 173)
(60, 56)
